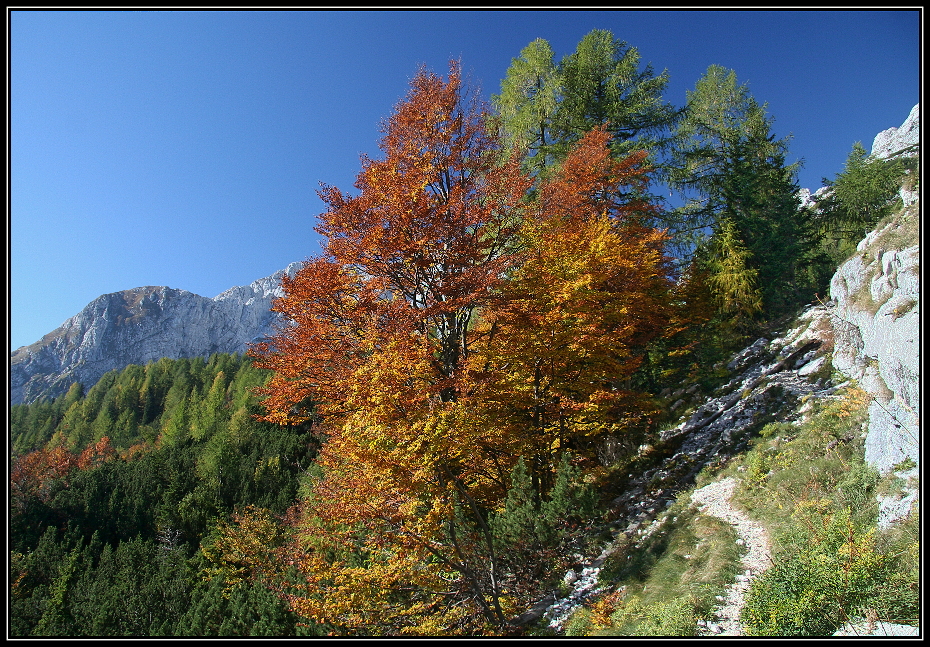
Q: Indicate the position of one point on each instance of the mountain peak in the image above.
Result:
(140, 325)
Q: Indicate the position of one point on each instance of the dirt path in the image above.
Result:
(714, 499)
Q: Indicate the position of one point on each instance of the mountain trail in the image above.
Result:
(714, 500)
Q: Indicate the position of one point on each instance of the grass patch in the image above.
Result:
(809, 485)
(900, 230)
(665, 583)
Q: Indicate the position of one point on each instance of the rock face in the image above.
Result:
(877, 329)
(877, 326)
(141, 325)
(899, 140)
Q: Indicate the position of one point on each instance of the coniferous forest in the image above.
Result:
(434, 433)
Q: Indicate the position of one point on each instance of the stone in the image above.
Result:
(894, 140)
(812, 367)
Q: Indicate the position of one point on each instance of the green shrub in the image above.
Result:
(831, 564)
(532, 522)
(829, 571)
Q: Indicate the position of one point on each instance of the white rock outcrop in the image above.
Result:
(877, 342)
(899, 140)
(876, 326)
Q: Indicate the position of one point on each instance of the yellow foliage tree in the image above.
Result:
(573, 321)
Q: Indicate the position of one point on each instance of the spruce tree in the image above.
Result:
(732, 171)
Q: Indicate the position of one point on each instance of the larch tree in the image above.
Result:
(530, 94)
(549, 107)
(734, 176)
(602, 83)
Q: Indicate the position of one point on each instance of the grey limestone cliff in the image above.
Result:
(141, 325)
(876, 324)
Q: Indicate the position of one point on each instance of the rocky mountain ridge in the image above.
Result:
(141, 325)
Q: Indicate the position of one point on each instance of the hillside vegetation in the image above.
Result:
(501, 380)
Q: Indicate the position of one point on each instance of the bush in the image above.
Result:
(829, 572)
(613, 616)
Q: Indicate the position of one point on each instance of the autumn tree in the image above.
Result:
(38, 474)
(573, 321)
(407, 261)
(95, 454)
(452, 325)
(239, 551)
(381, 330)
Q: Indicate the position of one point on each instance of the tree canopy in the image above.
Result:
(546, 107)
(454, 324)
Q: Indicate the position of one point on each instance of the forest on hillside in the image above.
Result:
(497, 309)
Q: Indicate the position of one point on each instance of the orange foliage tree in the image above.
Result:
(381, 328)
(407, 261)
(574, 320)
(43, 472)
(37, 474)
(450, 326)
(96, 453)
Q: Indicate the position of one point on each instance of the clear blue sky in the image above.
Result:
(186, 148)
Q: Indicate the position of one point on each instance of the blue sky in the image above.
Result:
(185, 148)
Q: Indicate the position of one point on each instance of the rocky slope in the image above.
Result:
(140, 325)
(769, 380)
(876, 326)
(868, 332)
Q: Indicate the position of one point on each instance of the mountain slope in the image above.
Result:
(140, 325)
(863, 341)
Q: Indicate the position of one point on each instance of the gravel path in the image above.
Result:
(714, 499)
